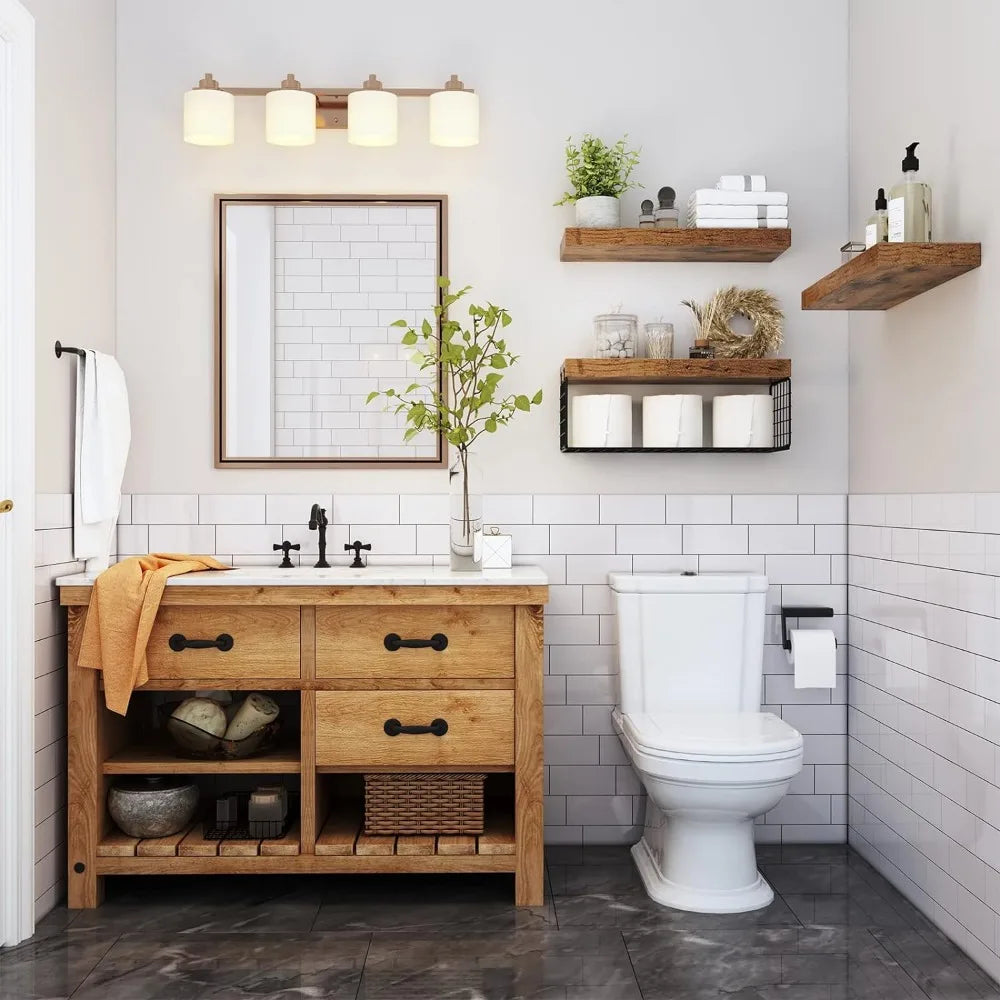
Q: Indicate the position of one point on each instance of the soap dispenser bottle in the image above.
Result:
(877, 230)
(910, 204)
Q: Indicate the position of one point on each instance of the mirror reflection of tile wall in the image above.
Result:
(342, 275)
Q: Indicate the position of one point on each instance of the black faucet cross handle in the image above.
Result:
(357, 546)
(285, 546)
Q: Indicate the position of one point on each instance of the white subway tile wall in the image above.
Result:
(342, 276)
(924, 746)
(53, 557)
(592, 795)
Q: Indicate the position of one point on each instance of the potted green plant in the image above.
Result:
(599, 175)
(474, 359)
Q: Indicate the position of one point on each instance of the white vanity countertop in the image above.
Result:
(342, 576)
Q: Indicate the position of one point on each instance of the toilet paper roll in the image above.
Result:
(743, 421)
(672, 421)
(814, 658)
(603, 421)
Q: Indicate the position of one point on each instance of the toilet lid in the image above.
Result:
(701, 735)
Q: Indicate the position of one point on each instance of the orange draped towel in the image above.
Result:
(123, 604)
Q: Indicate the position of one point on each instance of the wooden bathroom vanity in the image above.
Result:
(324, 637)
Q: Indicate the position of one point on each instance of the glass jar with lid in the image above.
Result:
(615, 335)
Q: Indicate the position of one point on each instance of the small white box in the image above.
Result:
(497, 549)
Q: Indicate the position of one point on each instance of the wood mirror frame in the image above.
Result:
(224, 461)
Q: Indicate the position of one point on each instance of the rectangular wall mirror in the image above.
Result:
(307, 289)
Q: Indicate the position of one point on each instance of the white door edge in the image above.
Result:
(17, 471)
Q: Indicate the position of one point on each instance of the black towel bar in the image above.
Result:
(60, 351)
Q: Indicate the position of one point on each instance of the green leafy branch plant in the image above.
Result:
(466, 403)
(596, 169)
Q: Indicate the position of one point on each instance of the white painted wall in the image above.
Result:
(770, 96)
(74, 190)
(924, 405)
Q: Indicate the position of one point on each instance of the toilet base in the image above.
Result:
(755, 896)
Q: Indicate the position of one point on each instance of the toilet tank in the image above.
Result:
(689, 642)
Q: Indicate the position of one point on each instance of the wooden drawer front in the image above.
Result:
(350, 728)
(351, 641)
(265, 642)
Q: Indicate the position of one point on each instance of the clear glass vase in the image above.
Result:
(465, 503)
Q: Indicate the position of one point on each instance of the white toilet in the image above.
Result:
(689, 684)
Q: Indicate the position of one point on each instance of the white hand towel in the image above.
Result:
(742, 182)
(741, 211)
(103, 435)
(709, 196)
(699, 223)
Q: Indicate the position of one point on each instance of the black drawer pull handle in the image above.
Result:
(223, 643)
(393, 727)
(437, 642)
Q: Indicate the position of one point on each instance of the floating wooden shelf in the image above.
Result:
(161, 760)
(666, 371)
(748, 245)
(890, 273)
(775, 373)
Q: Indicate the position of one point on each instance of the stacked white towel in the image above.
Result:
(738, 201)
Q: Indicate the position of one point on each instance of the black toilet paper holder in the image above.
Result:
(795, 611)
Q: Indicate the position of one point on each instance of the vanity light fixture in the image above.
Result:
(290, 114)
(209, 114)
(372, 115)
(293, 113)
(454, 115)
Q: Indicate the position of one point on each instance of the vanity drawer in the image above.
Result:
(455, 641)
(351, 728)
(265, 642)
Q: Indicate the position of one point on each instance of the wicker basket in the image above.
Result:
(424, 803)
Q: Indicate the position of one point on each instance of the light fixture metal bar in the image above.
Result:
(341, 92)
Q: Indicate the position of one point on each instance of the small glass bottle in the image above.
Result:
(659, 340)
(702, 349)
(877, 230)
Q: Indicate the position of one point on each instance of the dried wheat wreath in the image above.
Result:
(759, 306)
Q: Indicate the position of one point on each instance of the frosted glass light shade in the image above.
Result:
(454, 118)
(372, 117)
(290, 117)
(209, 117)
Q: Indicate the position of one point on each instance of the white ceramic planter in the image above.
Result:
(598, 212)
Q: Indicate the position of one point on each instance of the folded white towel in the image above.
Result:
(741, 211)
(710, 196)
(742, 182)
(739, 224)
(103, 435)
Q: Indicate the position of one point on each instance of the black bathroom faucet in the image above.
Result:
(318, 522)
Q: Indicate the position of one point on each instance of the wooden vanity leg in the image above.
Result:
(529, 880)
(85, 889)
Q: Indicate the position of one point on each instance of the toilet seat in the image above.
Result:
(712, 747)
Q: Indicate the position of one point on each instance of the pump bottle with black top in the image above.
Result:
(910, 204)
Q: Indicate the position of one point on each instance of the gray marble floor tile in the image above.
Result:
(576, 880)
(817, 878)
(412, 904)
(51, 965)
(521, 965)
(229, 967)
(232, 905)
(940, 977)
(592, 854)
(635, 910)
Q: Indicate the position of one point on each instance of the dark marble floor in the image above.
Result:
(836, 931)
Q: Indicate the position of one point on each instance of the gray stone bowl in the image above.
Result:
(152, 806)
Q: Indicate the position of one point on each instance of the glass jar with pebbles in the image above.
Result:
(615, 335)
